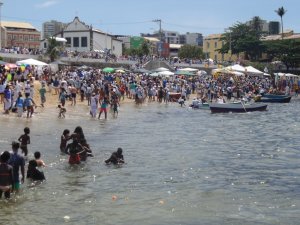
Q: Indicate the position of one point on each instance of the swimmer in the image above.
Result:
(116, 157)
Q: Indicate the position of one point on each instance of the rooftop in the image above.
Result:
(12, 24)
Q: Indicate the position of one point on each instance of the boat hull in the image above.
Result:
(275, 99)
(236, 107)
(201, 106)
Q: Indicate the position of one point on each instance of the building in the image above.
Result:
(51, 28)
(211, 44)
(19, 34)
(83, 38)
(270, 28)
(274, 27)
(193, 39)
(287, 35)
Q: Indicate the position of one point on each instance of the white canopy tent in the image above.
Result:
(31, 62)
(237, 68)
(285, 74)
(166, 73)
(252, 71)
(188, 69)
(160, 69)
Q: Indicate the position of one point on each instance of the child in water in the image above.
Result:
(25, 140)
(116, 157)
(33, 172)
(62, 111)
(64, 139)
(39, 161)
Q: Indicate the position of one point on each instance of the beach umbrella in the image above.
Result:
(120, 71)
(10, 66)
(108, 70)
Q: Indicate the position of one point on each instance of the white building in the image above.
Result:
(83, 38)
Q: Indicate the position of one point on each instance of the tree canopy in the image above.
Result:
(286, 51)
(52, 50)
(244, 38)
(191, 52)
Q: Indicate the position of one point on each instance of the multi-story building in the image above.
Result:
(52, 27)
(83, 38)
(193, 39)
(211, 44)
(271, 27)
(171, 37)
(19, 34)
(274, 27)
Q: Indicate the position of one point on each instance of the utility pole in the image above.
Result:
(160, 33)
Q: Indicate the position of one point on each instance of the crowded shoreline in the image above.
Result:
(91, 87)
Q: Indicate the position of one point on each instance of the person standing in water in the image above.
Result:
(64, 139)
(103, 108)
(17, 162)
(25, 140)
(6, 175)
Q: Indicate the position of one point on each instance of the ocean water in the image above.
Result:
(182, 166)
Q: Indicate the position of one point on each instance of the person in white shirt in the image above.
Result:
(94, 105)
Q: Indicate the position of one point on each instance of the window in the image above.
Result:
(68, 41)
(75, 41)
(9, 36)
(21, 37)
(31, 38)
(45, 45)
(25, 37)
(83, 41)
(216, 44)
(15, 37)
(207, 45)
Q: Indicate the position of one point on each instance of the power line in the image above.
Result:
(195, 27)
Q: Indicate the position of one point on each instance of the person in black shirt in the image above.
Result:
(116, 157)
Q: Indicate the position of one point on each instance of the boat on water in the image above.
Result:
(272, 98)
(200, 106)
(236, 107)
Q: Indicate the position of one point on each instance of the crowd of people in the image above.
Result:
(103, 91)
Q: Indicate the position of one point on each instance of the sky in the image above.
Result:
(132, 17)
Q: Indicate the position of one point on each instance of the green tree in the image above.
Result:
(280, 12)
(144, 49)
(243, 38)
(53, 49)
(287, 51)
(191, 52)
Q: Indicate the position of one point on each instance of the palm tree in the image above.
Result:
(52, 50)
(280, 12)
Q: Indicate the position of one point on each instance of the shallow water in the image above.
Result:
(182, 166)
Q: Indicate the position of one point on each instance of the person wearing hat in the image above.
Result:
(17, 162)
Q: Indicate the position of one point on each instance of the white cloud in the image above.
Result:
(46, 4)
